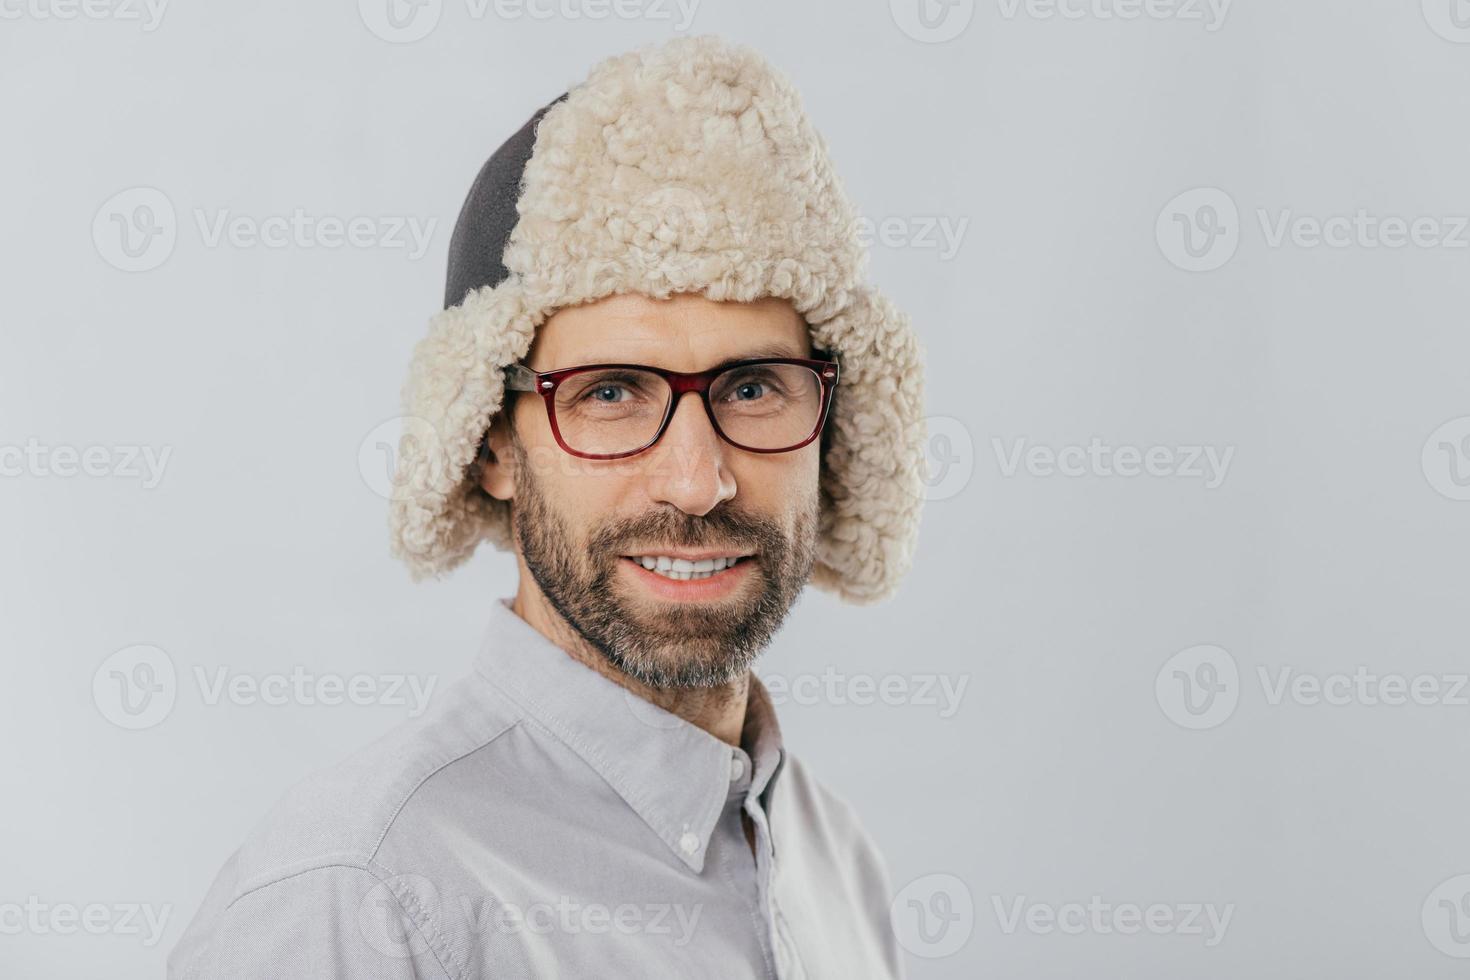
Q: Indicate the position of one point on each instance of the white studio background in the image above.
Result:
(1203, 720)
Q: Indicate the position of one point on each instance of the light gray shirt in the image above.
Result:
(540, 821)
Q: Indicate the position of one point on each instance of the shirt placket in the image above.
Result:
(775, 937)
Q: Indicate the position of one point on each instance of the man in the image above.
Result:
(660, 380)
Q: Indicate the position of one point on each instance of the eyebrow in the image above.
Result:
(763, 350)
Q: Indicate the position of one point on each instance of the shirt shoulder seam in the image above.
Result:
(372, 854)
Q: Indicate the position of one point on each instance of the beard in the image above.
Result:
(664, 645)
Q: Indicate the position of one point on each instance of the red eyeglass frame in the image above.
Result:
(519, 377)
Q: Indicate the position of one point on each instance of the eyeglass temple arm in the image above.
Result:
(518, 377)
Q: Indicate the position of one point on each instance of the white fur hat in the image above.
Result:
(685, 167)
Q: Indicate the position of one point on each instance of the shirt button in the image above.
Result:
(737, 768)
(688, 843)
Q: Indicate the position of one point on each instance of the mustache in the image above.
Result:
(721, 528)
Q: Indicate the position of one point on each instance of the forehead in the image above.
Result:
(686, 332)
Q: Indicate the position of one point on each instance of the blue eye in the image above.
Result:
(600, 389)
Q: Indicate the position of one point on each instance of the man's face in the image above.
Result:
(576, 520)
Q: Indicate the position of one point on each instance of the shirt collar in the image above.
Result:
(674, 775)
(760, 738)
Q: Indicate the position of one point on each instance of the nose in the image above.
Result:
(689, 468)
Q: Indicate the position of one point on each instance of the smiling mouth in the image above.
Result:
(683, 569)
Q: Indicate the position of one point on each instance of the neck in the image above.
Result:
(717, 710)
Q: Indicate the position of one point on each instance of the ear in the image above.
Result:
(497, 461)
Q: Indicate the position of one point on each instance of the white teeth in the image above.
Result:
(682, 569)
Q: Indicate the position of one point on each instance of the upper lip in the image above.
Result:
(689, 555)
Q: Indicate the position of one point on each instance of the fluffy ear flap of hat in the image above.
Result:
(439, 515)
(872, 473)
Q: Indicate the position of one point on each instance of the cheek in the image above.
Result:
(780, 483)
(588, 495)
(576, 489)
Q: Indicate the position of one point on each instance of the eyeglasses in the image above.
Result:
(608, 411)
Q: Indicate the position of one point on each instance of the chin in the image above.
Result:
(682, 669)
